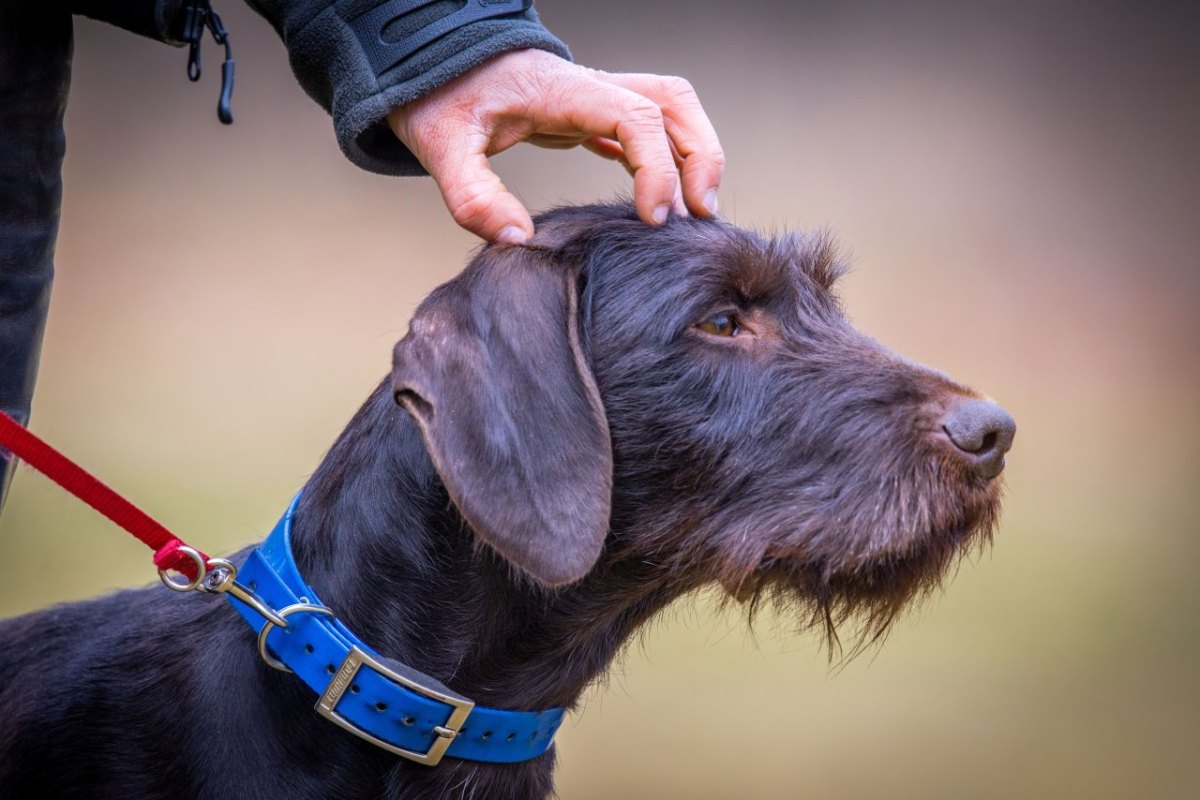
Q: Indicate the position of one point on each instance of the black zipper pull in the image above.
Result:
(194, 17)
(198, 15)
(221, 36)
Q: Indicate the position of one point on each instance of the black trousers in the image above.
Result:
(35, 70)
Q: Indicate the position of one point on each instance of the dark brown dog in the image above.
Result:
(587, 428)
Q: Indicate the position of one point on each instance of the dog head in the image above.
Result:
(691, 398)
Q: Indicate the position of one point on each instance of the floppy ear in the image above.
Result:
(493, 372)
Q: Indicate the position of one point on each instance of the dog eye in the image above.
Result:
(721, 325)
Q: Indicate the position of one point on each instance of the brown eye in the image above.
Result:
(721, 325)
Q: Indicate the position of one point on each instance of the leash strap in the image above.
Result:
(168, 554)
(389, 704)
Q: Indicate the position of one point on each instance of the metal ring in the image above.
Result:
(201, 571)
(298, 608)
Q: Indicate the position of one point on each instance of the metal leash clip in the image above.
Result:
(219, 576)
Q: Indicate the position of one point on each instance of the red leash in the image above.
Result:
(79, 482)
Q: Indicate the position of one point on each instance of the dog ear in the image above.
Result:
(494, 373)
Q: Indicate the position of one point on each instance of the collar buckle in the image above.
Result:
(443, 735)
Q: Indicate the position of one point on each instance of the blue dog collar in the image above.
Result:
(383, 701)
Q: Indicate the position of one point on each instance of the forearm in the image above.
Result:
(354, 57)
(359, 76)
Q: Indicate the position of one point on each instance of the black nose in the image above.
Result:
(983, 431)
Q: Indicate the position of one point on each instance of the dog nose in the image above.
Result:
(983, 431)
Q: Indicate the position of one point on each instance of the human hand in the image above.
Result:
(653, 125)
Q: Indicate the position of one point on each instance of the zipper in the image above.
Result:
(198, 17)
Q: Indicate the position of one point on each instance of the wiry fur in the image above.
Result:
(627, 459)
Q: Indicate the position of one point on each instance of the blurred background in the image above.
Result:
(1017, 185)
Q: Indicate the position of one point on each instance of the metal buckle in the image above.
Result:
(443, 734)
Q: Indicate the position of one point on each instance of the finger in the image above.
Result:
(636, 123)
(476, 197)
(675, 153)
(605, 148)
(690, 131)
(556, 141)
(678, 203)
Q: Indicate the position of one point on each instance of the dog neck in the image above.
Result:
(379, 540)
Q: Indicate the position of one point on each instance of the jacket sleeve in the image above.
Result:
(156, 19)
(350, 56)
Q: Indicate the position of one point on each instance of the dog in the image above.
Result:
(576, 432)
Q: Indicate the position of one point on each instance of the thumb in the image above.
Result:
(476, 197)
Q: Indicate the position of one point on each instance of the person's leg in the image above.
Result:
(35, 69)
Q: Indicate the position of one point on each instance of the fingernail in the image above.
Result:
(511, 234)
(710, 201)
(660, 214)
